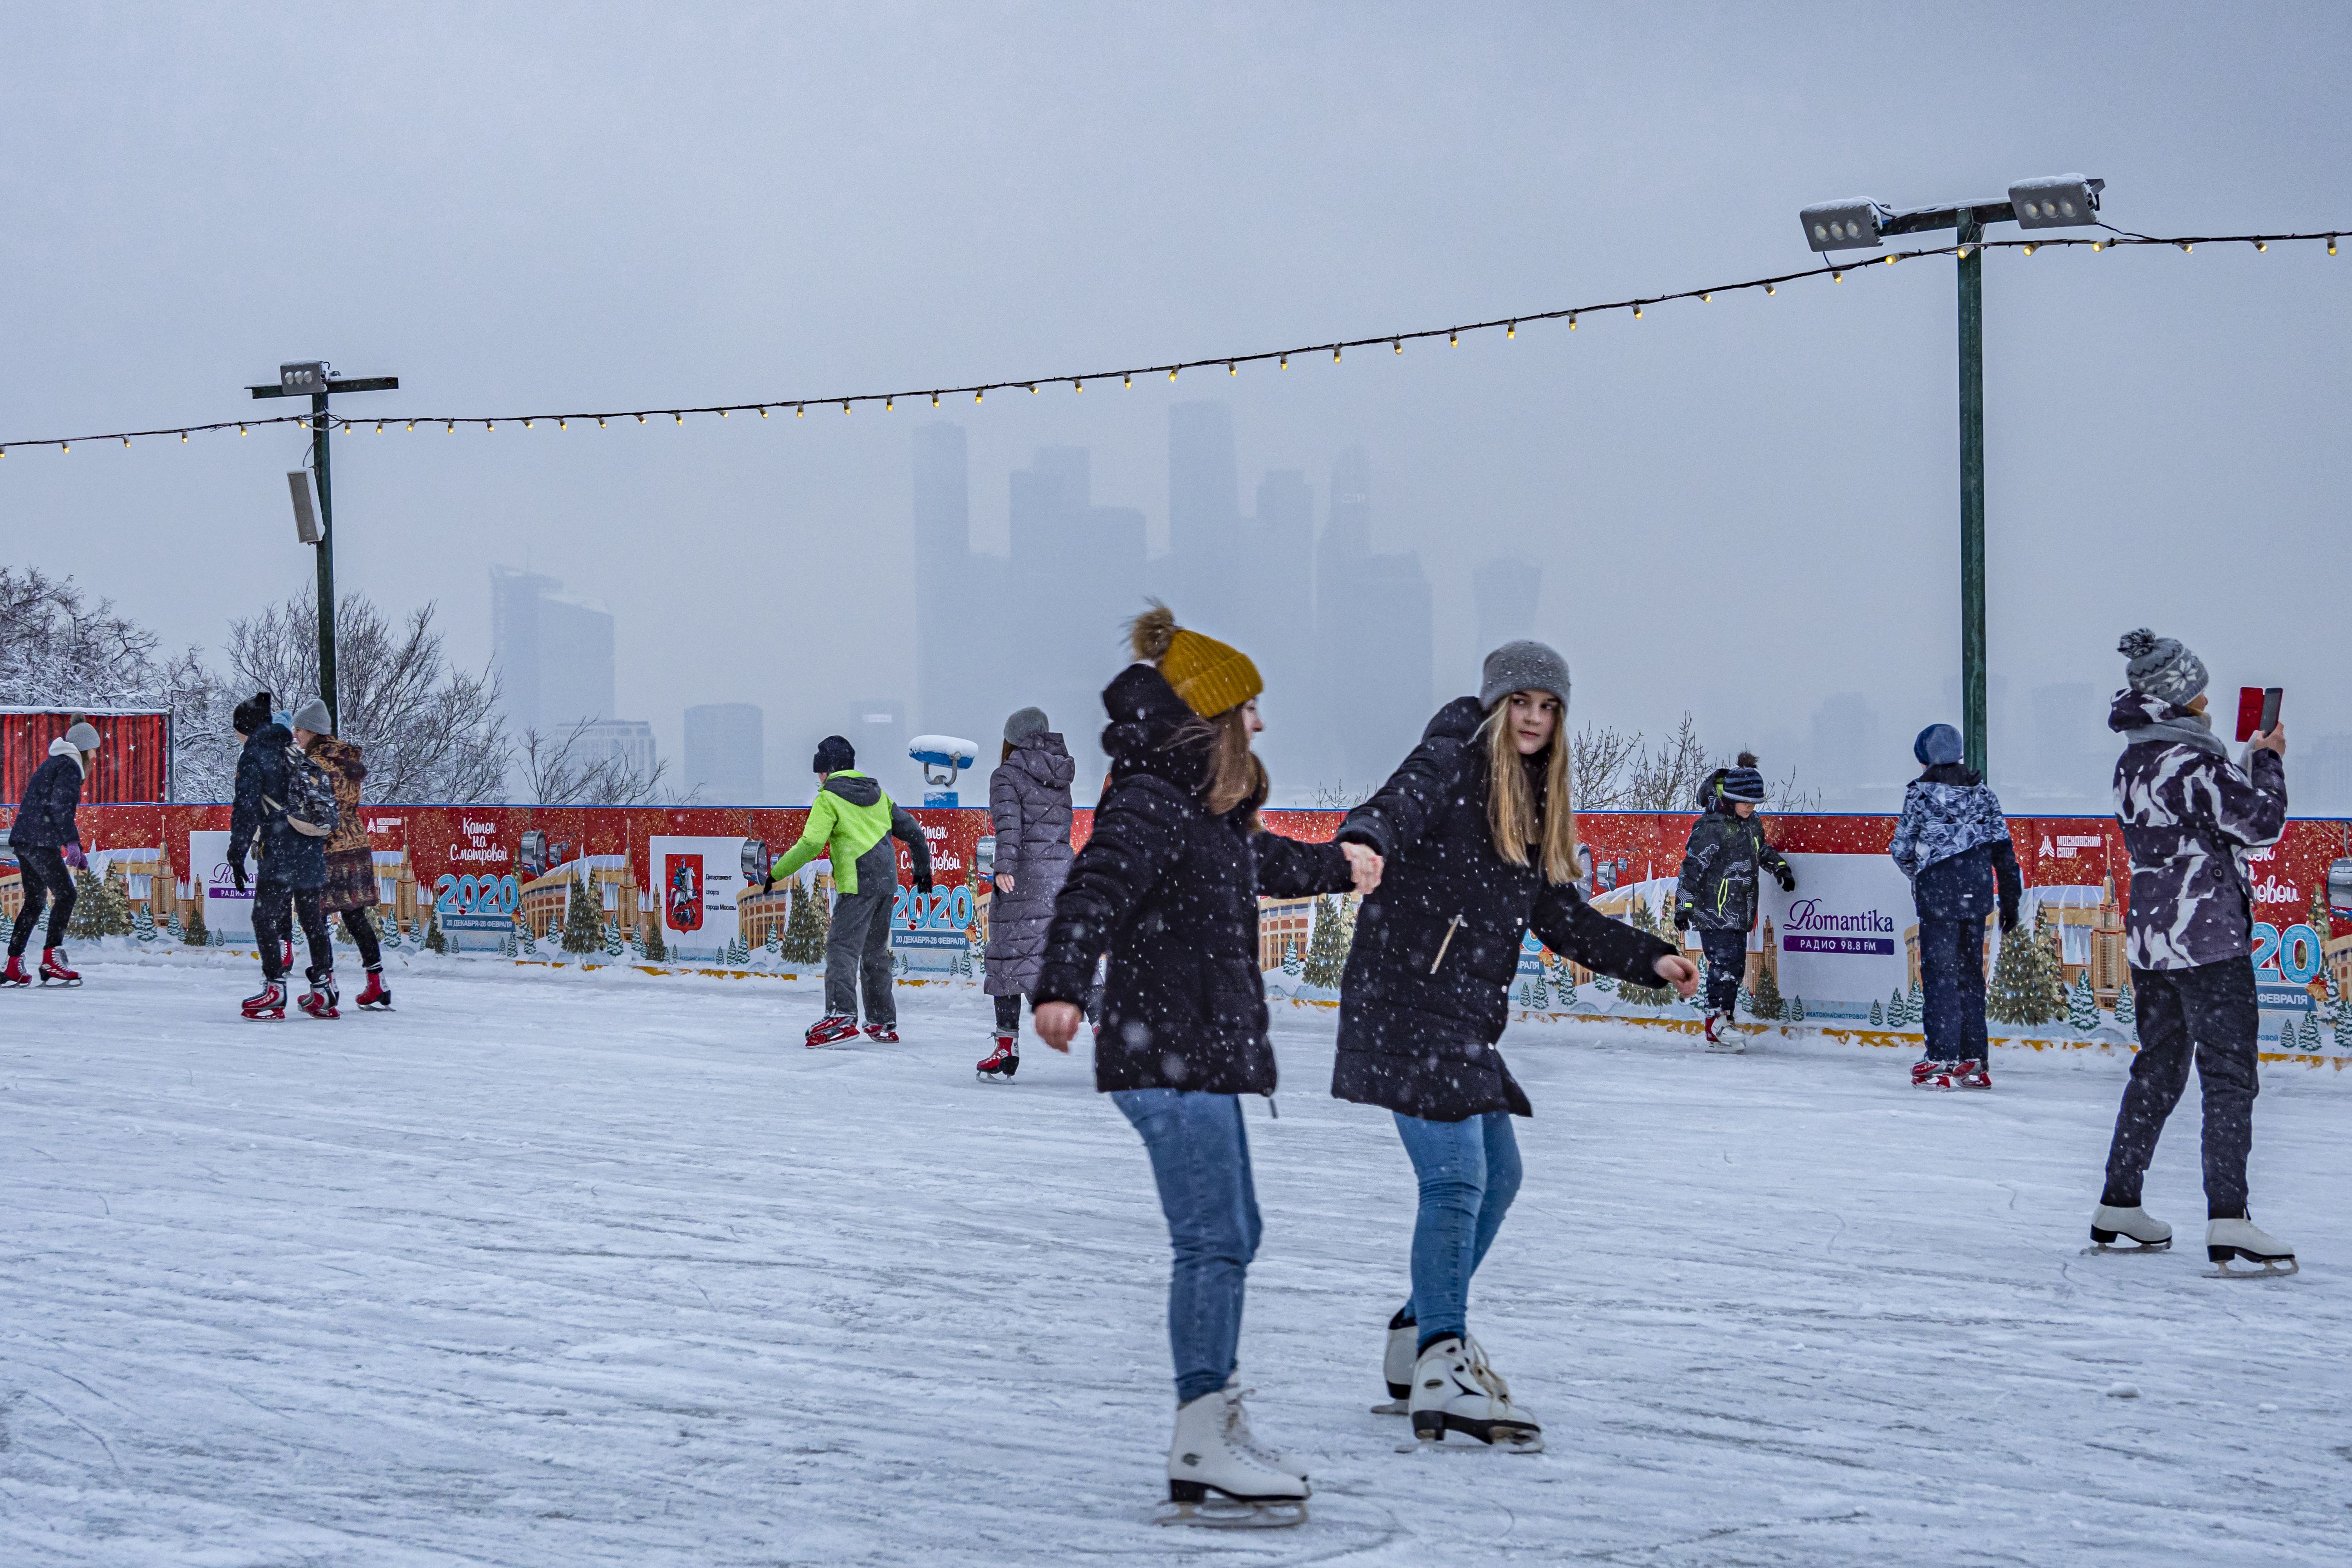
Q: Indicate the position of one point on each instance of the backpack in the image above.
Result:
(310, 808)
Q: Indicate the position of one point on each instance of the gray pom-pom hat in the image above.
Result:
(2161, 667)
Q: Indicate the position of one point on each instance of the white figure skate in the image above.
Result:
(2127, 1230)
(1453, 1390)
(2228, 1241)
(1397, 1364)
(1216, 1476)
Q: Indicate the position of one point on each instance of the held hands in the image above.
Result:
(1057, 1023)
(1679, 972)
(1362, 865)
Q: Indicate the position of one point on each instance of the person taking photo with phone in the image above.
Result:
(2189, 815)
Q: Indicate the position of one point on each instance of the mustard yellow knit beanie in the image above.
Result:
(1206, 674)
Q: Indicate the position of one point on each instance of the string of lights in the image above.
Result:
(1231, 365)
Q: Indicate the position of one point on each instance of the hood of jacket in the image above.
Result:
(2141, 718)
(856, 788)
(61, 747)
(341, 755)
(1042, 756)
(1151, 730)
(1457, 721)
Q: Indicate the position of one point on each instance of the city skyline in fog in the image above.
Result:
(1745, 510)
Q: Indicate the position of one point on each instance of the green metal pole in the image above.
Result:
(326, 558)
(1972, 547)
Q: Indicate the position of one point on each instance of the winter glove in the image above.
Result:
(1682, 919)
(2008, 915)
(923, 886)
(72, 856)
(236, 874)
(1788, 882)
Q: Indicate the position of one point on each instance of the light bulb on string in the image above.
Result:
(64, 446)
(1708, 298)
(526, 424)
(676, 417)
(845, 405)
(641, 419)
(1397, 343)
(240, 430)
(1572, 321)
(1512, 330)
(977, 393)
(2028, 247)
(1770, 290)
(1232, 369)
(763, 411)
(1637, 312)
(2331, 245)
(2187, 248)
(889, 404)
(799, 410)
(184, 437)
(412, 427)
(2261, 244)
(126, 440)
(453, 428)
(1171, 373)
(1453, 337)
(1284, 364)
(1837, 277)
(722, 414)
(489, 424)
(1334, 353)
(1128, 380)
(1078, 387)
(379, 426)
(935, 400)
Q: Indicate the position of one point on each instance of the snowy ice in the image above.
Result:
(553, 1267)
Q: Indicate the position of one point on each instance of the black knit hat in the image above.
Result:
(1742, 782)
(251, 714)
(833, 753)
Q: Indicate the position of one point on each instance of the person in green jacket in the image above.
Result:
(852, 822)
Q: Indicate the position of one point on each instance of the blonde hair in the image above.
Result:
(1512, 816)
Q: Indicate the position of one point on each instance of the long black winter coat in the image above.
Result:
(45, 819)
(1171, 893)
(295, 859)
(1417, 1031)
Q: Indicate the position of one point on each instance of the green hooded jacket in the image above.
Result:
(850, 816)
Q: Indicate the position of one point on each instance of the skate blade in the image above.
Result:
(1465, 1443)
(2281, 1268)
(1225, 1514)
(2097, 1247)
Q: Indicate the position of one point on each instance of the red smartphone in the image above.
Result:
(2258, 709)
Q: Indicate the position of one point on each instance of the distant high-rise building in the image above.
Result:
(726, 754)
(1081, 567)
(1506, 589)
(1374, 635)
(1276, 591)
(626, 741)
(1204, 549)
(957, 593)
(1849, 756)
(553, 652)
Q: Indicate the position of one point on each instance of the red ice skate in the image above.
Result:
(15, 973)
(882, 1033)
(269, 1001)
(1004, 1062)
(1929, 1073)
(54, 970)
(319, 1000)
(1972, 1074)
(830, 1029)
(377, 994)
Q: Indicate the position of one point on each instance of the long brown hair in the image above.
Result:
(1512, 815)
(1235, 774)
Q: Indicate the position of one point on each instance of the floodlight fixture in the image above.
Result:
(302, 378)
(2056, 201)
(1845, 226)
(306, 516)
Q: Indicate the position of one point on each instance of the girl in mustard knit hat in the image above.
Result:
(1169, 886)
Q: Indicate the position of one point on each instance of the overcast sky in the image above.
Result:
(1743, 508)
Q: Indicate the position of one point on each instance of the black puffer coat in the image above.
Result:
(1171, 892)
(1417, 1031)
(295, 859)
(45, 819)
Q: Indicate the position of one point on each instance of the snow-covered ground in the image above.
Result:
(555, 1269)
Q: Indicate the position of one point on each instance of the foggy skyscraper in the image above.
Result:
(1374, 635)
(1079, 569)
(957, 593)
(1277, 594)
(1205, 520)
(553, 652)
(726, 754)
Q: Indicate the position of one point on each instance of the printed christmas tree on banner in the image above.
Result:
(1566, 988)
(1539, 994)
(638, 942)
(1796, 1009)
(1898, 1015)
(1291, 965)
(656, 950)
(1327, 946)
(806, 926)
(143, 924)
(1657, 926)
(2083, 1005)
(101, 907)
(2028, 983)
(171, 928)
(614, 947)
(194, 933)
(583, 933)
(2127, 1011)
(1877, 1016)
(434, 940)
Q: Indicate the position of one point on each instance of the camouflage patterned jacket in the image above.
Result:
(2189, 816)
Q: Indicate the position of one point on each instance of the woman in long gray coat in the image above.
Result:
(1029, 808)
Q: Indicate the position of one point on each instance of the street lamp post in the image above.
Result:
(2058, 201)
(310, 377)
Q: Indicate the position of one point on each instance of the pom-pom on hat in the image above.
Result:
(1742, 782)
(1937, 744)
(833, 754)
(1207, 675)
(2161, 667)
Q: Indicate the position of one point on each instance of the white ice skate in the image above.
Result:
(1723, 1036)
(1396, 1364)
(1216, 1477)
(1453, 1390)
(2127, 1230)
(1263, 1452)
(2228, 1241)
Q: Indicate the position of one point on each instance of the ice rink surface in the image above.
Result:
(561, 1269)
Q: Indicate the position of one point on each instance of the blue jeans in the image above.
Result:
(1469, 1172)
(1200, 1159)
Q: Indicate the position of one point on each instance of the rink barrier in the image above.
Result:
(1839, 946)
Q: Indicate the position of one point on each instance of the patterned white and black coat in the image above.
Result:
(2189, 816)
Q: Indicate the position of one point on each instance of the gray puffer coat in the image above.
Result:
(1029, 808)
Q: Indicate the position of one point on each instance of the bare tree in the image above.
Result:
(1340, 796)
(566, 769)
(430, 731)
(58, 647)
(1783, 794)
(1600, 763)
(1670, 780)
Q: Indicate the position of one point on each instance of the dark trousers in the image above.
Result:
(1008, 1013)
(858, 949)
(362, 931)
(1727, 960)
(271, 924)
(2212, 1011)
(1952, 986)
(47, 881)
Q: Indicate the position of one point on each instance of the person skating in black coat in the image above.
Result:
(47, 845)
(293, 864)
(1478, 841)
(1168, 885)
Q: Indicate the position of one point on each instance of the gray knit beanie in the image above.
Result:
(83, 736)
(1024, 723)
(312, 716)
(2161, 667)
(1523, 666)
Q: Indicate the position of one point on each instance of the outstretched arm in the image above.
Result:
(1393, 820)
(815, 840)
(909, 832)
